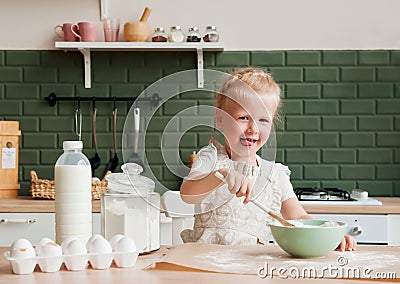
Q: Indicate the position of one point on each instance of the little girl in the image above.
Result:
(246, 105)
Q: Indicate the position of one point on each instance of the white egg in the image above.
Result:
(91, 239)
(21, 243)
(27, 252)
(125, 244)
(100, 245)
(114, 240)
(66, 241)
(75, 247)
(43, 241)
(22, 248)
(50, 249)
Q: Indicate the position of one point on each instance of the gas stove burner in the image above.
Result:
(321, 194)
(334, 196)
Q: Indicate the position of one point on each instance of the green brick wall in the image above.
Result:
(341, 118)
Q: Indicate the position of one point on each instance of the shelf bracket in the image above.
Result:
(87, 66)
(200, 67)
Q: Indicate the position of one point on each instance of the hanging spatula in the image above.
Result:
(135, 158)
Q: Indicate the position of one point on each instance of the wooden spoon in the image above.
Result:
(261, 206)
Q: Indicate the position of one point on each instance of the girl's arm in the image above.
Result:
(291, 209)
(196, 186)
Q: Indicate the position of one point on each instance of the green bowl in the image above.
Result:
(308, 242)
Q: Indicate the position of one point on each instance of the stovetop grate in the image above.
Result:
(322, 194)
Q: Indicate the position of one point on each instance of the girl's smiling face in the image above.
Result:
(246, 124)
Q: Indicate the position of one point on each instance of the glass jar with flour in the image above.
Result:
(132, 208)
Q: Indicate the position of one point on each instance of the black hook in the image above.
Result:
(155, 100)
(115, 102)
(79, 103)
(52, 99)
(94, 103)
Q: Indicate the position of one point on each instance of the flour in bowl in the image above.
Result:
(299, 224)
(329, 224)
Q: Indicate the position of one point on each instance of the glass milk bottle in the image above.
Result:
(73, 193)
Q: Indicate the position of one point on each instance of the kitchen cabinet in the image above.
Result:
(33, 226)
(30, 226)
(86, 47)
(374, 228)
(379, 224)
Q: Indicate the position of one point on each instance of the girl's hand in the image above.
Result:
(348, 243)
(238, 184)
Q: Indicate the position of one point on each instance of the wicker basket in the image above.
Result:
(45, 189)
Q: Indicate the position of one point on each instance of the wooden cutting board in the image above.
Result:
(9, 144)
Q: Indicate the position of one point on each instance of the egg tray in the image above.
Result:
(72, 262)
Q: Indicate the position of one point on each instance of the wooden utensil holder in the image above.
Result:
(9, 144)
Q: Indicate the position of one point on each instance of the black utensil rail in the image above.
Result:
(52, 99)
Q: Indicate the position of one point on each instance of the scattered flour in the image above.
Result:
(246, 261)
(233, 260)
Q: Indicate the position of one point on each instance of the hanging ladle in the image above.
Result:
(95, 161)
(113, 163)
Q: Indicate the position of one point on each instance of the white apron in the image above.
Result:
(235, 223)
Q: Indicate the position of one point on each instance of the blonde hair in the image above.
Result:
(236, 86)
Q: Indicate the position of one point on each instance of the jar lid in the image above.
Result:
(193, 29)
(72, 145)
(175, 28)
(134, 184)
(211, 28)
(130, 181)
(159, 29)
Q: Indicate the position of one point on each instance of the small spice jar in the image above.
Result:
(211, 34)
(176, 34)
(159, 35)
(193, 35)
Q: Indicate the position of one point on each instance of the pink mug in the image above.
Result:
(86, 31)
(64, 31)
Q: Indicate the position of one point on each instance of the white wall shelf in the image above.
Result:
(86, 47)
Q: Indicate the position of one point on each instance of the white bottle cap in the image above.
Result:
(71, 145)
